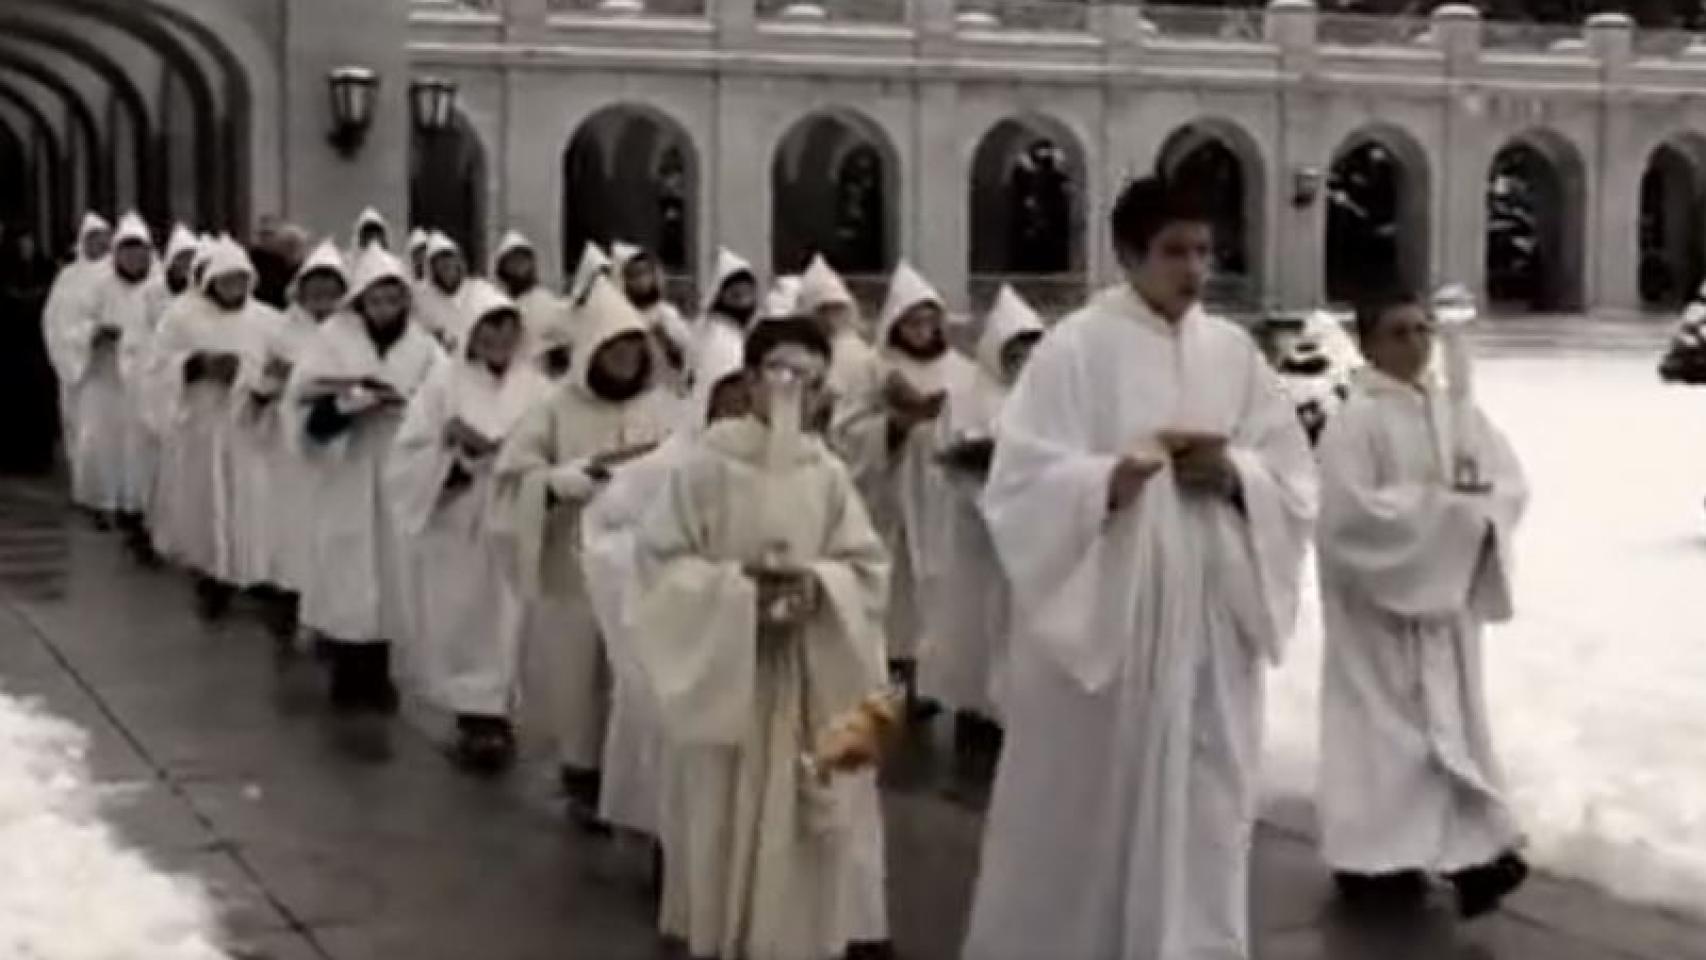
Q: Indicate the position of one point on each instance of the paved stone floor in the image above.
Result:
(332, 839)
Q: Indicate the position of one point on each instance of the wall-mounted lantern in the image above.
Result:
(432, 103)
(1306, 186)
(354, 91)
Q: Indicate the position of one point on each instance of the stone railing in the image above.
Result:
(1287, 24)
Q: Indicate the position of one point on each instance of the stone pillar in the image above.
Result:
(1613, 190)
(1291, 244)
(736, 204)
(1460, 220)
(324, 190)
(525, 18)
(735, 21)
(936, 200)
(532, 184)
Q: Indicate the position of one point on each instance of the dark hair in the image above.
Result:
(1145, 207)
(768, 335)
(1373, 308)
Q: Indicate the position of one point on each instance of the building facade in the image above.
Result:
(1555, 169)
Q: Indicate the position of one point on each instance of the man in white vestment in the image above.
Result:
(731, 302)
(886, 431)
(1414, 558)
(442, 298)
(109, 329)
(759, 626)
(825, 298)
(544, 315)
(418, 240)
(606, 412)
(1151, 500)
(346, 396)
(279, 531)
(467, 643)
(66, 303)
(167, 289)
(963, 668)
(203, 348)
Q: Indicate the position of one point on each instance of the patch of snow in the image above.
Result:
(69, 889)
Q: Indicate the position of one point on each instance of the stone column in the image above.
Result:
(532, 158)
(1290, 252)
(325, 189)
(937, 195)
(1611, 274)
(1460, 220)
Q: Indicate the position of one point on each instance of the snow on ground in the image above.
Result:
(1598, 689)
(68, 889)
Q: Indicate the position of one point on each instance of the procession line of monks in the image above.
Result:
(696, 553)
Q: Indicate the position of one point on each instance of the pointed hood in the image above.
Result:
(604, 316)
(418, 240)
(225, 256)
(181, 241)
(821, 286)
(907, 289)
(485, 299)
(374, 266)
(720, 356)
(729, 266)
(622, 253)
(1010, 317)
(512, 241)
(92, 223)
(133, 229)
(324, 259)
(783, 300)
(594, 263)
(369, 217)
(438, 243)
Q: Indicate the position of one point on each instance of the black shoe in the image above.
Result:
(870, 950)
(1383, 896)
(581, 788)
(1480, 890)
(484, 744)
(213, 599)
(343, 663)
(380, 690)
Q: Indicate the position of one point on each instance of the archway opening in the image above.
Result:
(631, 174)
(1535, 200)
(834, 191)
(16, 176)
(1220, 164)
(1026, 223)
(447, 186)
(1673, 223)
(1377, 218)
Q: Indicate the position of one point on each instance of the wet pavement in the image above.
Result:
(329, 838)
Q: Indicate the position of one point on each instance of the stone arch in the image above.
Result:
(1536, 223)
(1672, 221)
(447, 185)
(631, 172)
(83, 143)
(1224, 163)
(52, 214)
(835, 190)
(1027, 184)
(1379, 202)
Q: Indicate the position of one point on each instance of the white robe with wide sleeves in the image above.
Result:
(1121, 821)
(466, 647)
(362, 583)
(1410, 570)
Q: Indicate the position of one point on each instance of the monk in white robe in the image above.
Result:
(1151, 500)
(544, 315)
(1414, 560)
(824, 297)
(418, 240)
(167, 288)
(760, 624)
(203, 349)
(594, 263)
(67, 303)
(642, 280)
(346, 395)
(962, 670)
(731, 303)
(607, 412)
(371, 229)
(442, 298)
(467, 642)
(93, 345)
(280, 485)
(634, 765)
(886, 431)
